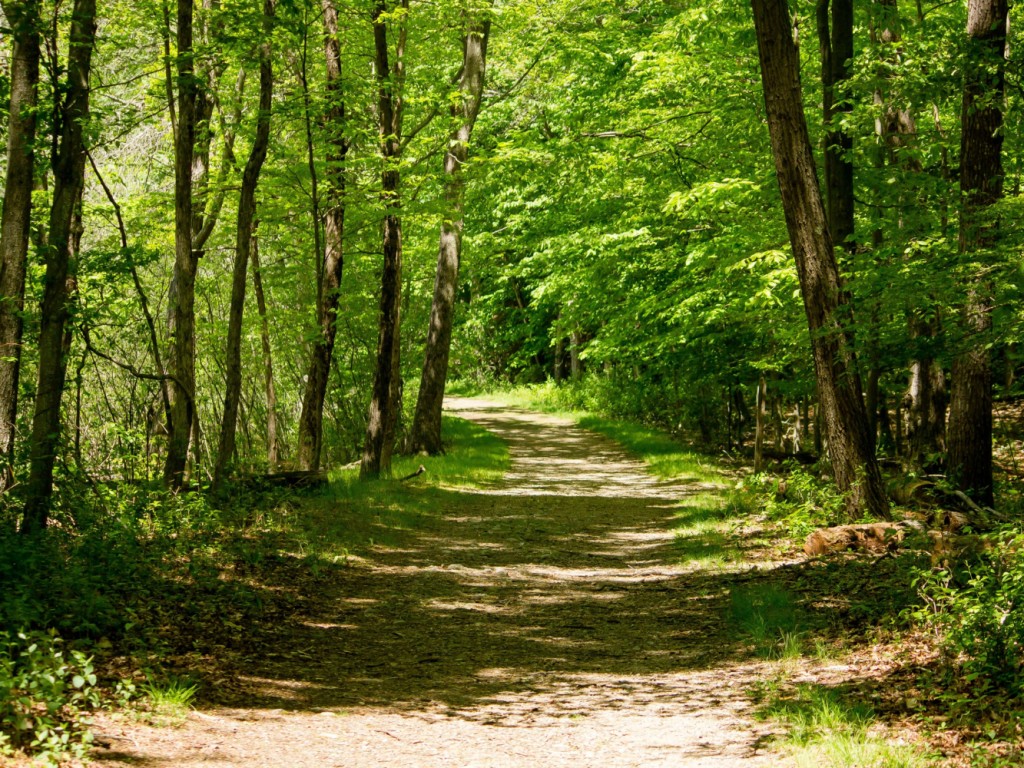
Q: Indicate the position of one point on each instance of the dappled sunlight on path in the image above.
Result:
(543, 621)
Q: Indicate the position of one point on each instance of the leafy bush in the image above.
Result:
(801, 501)
(45, 696)
(978, 610)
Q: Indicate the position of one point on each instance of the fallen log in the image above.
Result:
(869, 537)
(295, 478)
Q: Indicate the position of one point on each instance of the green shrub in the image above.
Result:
(978, 610)
(46, 694)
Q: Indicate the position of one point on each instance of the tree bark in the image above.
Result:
(426, 426)
(186, 260)
(387, 380)
(850, 444)
(835, 37)
(243, 246)
(969, 436)
(15, 226)
(59, 281)
(273, 440)
(760, 410)
(328, 291)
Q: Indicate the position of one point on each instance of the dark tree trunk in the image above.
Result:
(426, 427)
(385, 399)
(186, 261)
(981, 184)
(243, 246)
(58, 284)
(760, 410)
(835, 37)
(273, 441)
(15, 227)
(850, 444)
(328, 291)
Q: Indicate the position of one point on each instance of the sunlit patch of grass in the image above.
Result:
(168, 702)
(826, 732)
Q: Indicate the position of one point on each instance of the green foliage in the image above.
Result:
(769, 616)
(46, 694)
(975, 607)
(827, 732)
(168, 702)
(799, 500)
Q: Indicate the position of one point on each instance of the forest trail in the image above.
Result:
(543, 621)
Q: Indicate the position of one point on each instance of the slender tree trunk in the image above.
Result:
(273, 447)
(981, 184)
(426, 427)
(15, 227)
(243, 246)
(186, 260)
(851, 445)
(387, 380)
(760, 410)
(59, 282)
(835, 37)
(328, 290)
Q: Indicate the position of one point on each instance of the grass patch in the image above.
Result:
(824, 731)
(769, 616)
(168, 703)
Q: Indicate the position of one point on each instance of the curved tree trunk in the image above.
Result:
(969, 436)
(850, 443)
(58, 285)
(387, 379)
(328, 292)
(243, 245)
(426, 425)
(273, 439)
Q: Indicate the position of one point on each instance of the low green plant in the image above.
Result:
(46, 695)
(799, 500)
(975, 609)
(769, 616)
(168, 702)
(824, 731)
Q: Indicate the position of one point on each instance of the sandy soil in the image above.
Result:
(543, 622)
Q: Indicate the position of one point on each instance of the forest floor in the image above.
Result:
(544, 620)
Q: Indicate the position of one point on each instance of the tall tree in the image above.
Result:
(969, 436)
(59, 280)
(835, 38)
(23, 18)
(425, 434)
(186, 260)
(243, 247)
(850, 443)
(330, 270)
(385, 398)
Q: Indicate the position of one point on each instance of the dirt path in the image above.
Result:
(542, 622)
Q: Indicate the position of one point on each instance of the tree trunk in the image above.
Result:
(273, 441)
(426, 426)
(15, 227)
(186, 261)
(835, 37)
(762, 396)
(385, 399)
(59, 282)
(243, 246)
(328, 290)
(981, 184)
(850, 444)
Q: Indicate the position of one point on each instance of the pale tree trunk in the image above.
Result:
(243, 247)
(58, 283)
(273, 441)
(426, 427)
(762, 395)
(969, 436)
(328, 291)
(850, 444)
(387, 379)
(15, 227)
(185, 260)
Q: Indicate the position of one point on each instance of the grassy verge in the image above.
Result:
(161, 598)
